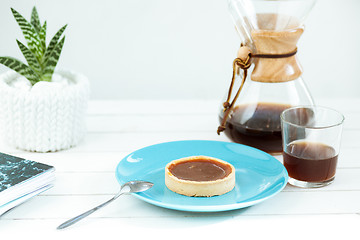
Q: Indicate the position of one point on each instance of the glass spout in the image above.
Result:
(276, 15)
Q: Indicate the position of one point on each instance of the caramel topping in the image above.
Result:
(200, 170)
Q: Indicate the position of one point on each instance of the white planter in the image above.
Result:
(47, 117)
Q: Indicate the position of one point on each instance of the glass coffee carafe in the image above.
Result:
(266, 73)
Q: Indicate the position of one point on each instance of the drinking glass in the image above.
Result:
(311, 143)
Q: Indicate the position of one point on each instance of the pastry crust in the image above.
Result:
(200, 188)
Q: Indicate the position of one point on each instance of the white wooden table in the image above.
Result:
(86, 177)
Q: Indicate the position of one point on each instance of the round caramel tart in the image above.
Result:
(200, 176)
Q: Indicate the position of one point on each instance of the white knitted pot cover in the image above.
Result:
(46, 117)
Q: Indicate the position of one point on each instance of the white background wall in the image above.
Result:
(154, 49)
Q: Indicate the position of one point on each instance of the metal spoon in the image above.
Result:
(126, 188)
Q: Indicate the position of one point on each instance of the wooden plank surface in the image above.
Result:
(85, 176)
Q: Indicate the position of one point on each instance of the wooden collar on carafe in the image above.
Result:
(243, 61)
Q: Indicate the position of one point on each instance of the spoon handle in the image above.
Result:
(87, 213)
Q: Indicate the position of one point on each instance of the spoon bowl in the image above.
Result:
(135, 186)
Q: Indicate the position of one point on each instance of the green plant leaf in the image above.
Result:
(52, 61)
(42, 35)
(31, 36)
(41, 60)
(30, 57)
(35, 20)
(54, 42)
(20, 68)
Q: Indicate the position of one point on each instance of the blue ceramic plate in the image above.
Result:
(259, 176)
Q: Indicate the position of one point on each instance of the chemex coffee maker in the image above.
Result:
(266, 73)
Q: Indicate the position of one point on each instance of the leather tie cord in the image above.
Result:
(238, 64)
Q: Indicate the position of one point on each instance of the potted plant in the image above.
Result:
(42, 110)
